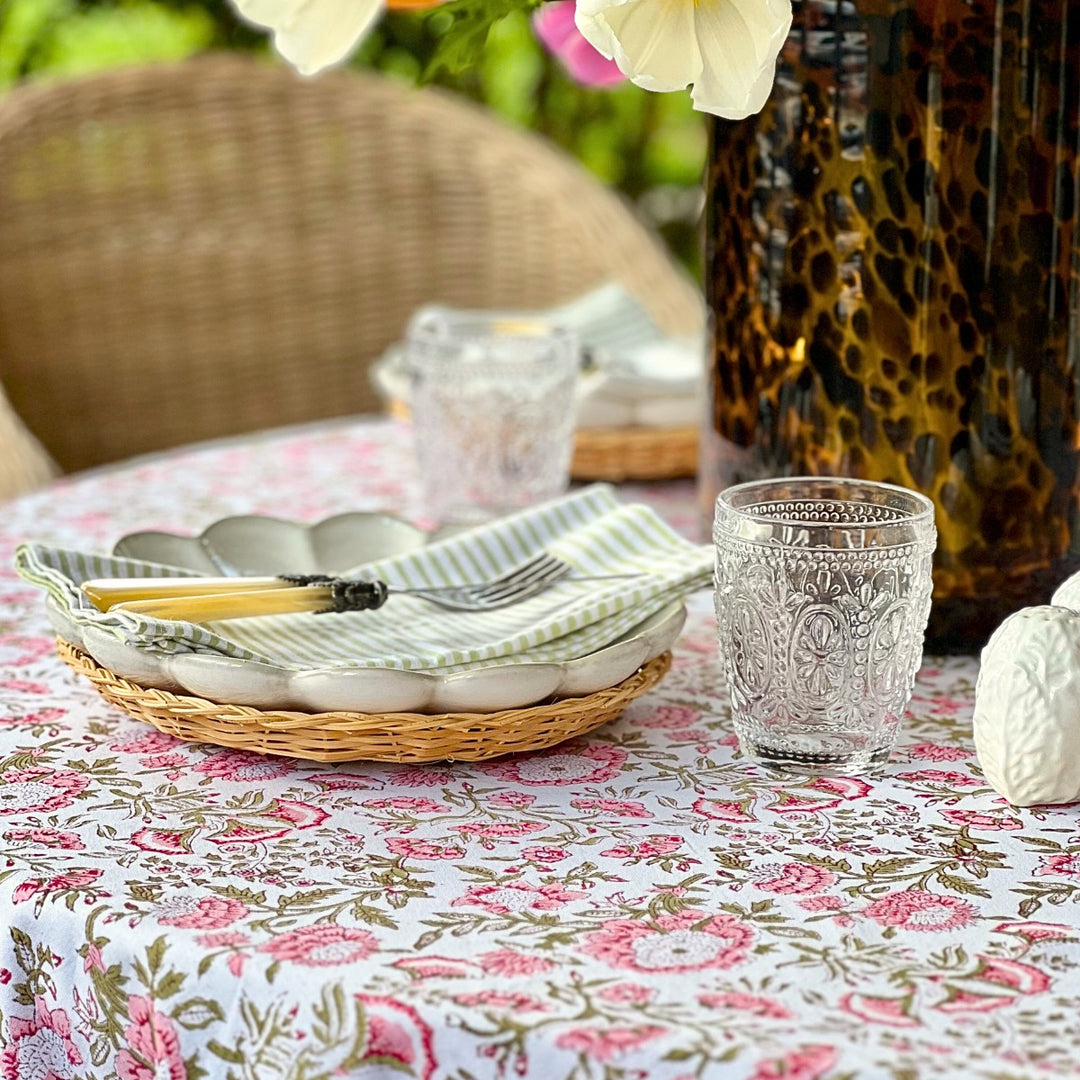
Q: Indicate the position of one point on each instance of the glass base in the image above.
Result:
(788, 762)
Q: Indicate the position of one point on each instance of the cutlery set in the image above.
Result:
(205, 599)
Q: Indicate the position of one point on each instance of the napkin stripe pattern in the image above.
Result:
(590, 529)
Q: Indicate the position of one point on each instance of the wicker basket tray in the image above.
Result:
(635, 453)
(350, 736)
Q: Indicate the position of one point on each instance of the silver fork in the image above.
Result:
(211, 599)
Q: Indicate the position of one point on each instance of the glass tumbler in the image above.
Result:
(822, 597)
(493, 410)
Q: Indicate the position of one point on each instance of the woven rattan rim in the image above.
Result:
(635, 453)
(350, 736)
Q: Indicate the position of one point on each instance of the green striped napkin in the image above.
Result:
(590, 529)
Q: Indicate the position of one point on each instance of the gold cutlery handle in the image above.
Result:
(104, 593)
(239, 604)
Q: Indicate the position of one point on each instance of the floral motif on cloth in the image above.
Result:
(637, 903)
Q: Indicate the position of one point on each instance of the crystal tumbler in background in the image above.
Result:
(822, 597)
(492, 404)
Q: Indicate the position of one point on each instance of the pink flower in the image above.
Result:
(687, 941)
(517, 896)
(503, 829)
(1023, 978)
(793, 877)
(553, 24)
(821, 903)
(93, 959)
(164, 761)
(69, 841)
(434, 967)
(748, 1003)
(570, 763)
(405, 802)
(300, 814)
(153, 1051)
(806, 1063)
(41, 718)
(923, 911)
(40, 1046)
(19, 650)
(25, 890)
(74, 879)
(243, 766)
(619, 807)
(222, 939)
(834, 790)
(501, 999)
(992, 823)
(1063, 865)
(322, 945)
(165, 841)
(342, 781)
(395, 1033)
(960, 1001)
(1032, 932)
(422, 849)
(670, 716)
(511, 800)
(719, 810)
(607, 1043)
(39, 790)
(508, 963)
(544, 854)
(625, 993)
(949, 705)
(654, 845)
(892, 1011)
(147, 742)
(938, 752)
(23, 686)
(940, 776)
(206, 913)
(420, 776)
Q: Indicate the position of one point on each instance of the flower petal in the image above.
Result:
(652, 41)
(739, 41)
(312, 34)
(553, 24)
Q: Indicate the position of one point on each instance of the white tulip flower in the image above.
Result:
(313, 34)
(725, 49)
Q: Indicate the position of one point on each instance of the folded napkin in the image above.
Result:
(590, 529)
(636, 375)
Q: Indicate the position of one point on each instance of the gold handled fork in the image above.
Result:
(211, 599)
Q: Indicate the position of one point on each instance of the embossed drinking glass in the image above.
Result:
(822, 597)
(492, 402)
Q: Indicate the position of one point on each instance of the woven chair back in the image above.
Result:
(194, 250)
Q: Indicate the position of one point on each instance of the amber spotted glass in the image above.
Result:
(894, 273)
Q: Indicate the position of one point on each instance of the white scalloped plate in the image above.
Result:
(266, 545)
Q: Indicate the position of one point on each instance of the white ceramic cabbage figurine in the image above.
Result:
(1027, 704)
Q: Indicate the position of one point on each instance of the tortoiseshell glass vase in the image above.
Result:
(893, 268)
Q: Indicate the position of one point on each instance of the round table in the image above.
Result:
(640, 903)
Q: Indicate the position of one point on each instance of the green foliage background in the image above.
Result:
(650, 146)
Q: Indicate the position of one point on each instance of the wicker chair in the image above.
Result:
(201, 249)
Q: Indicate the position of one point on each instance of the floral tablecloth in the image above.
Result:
(637, 904)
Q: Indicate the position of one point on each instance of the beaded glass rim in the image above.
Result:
(918, 513)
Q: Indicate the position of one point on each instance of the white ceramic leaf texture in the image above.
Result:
(1027, 707)
(1068, 594)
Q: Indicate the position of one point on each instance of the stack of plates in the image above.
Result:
(247, 688)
